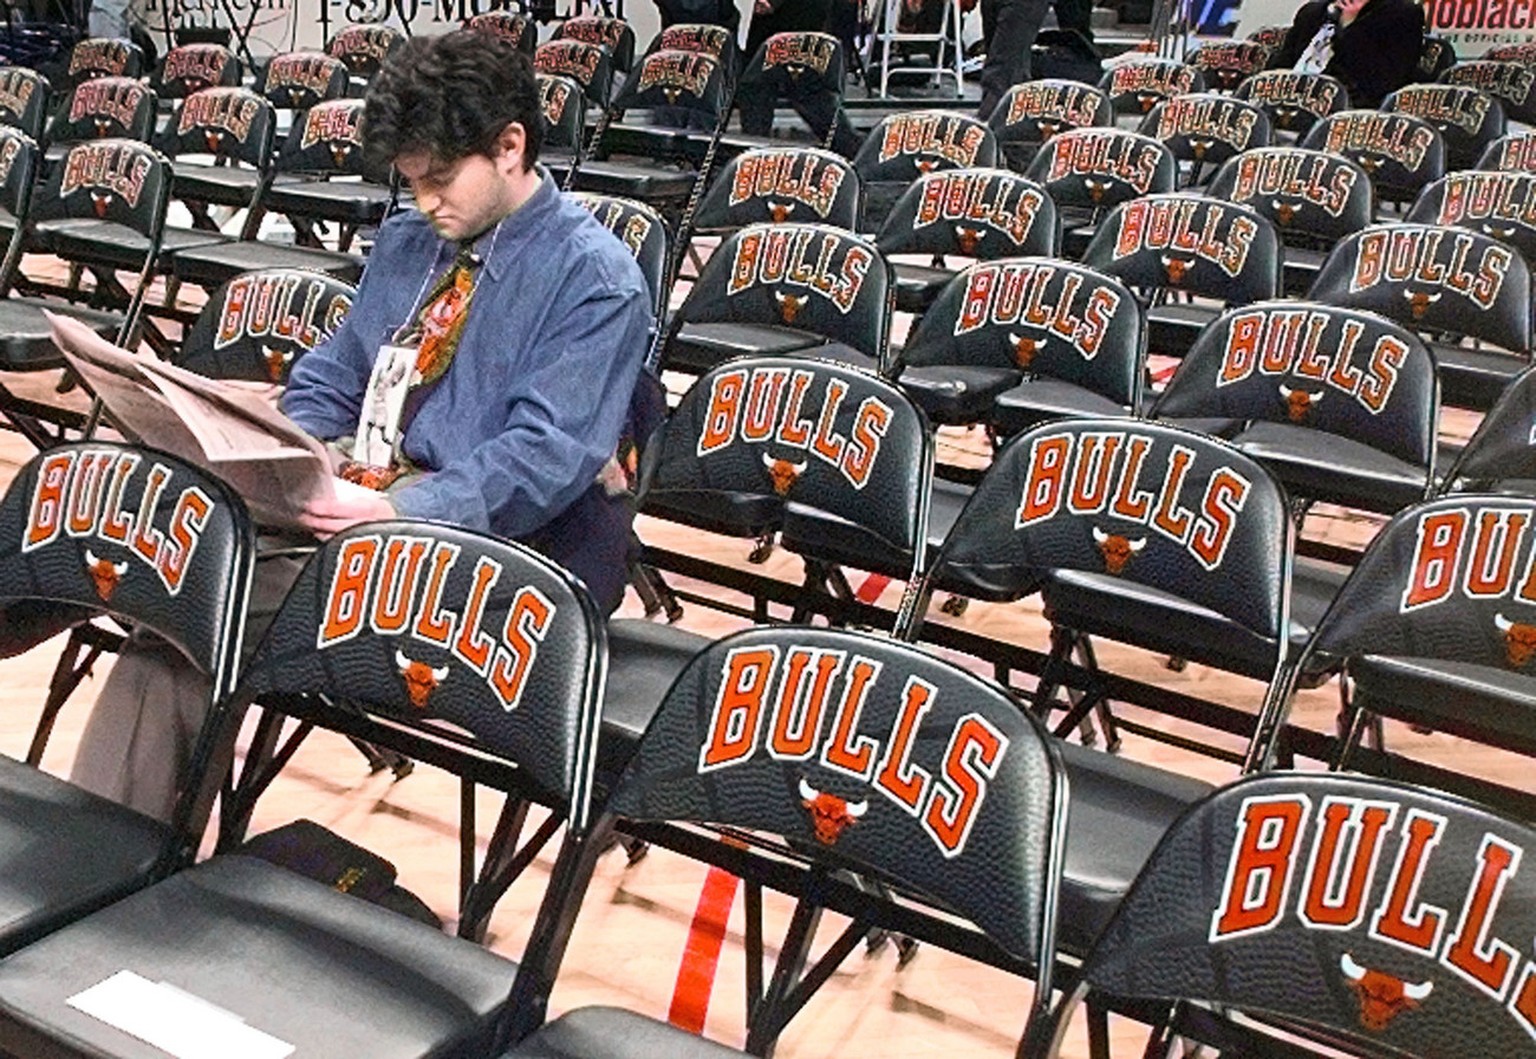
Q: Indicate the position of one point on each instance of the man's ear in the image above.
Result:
(511, 146)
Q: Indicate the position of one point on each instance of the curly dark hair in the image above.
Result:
(451, 95)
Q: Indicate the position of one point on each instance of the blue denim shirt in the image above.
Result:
(513, 436)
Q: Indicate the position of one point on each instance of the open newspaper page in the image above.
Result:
(232, 430)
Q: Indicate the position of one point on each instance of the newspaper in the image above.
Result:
(231, 429)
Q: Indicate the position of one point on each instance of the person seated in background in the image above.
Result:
(1372, 46)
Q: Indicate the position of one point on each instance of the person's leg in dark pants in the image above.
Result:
(1014, 26)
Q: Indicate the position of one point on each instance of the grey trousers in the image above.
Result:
(146, 719)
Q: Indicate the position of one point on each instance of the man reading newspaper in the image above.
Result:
(482, 377)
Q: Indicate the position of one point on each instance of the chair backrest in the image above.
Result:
(836, 459)
(643, 232)
(775, 184)
(104, 57)
(256, 325)
(1294, 101)
(433, 626)
(297, 80)
(1436, 56)
(1340, 370)
(102, 107)
(1226, 64)
(615, 34)
(1034, 111)
(191, 68)
(123, 181)
(19, 158)
(1150, 504)
(233, 123)
(1446, 580)
(1189, 243)
(24, 99)
(1269, 36)
(1315, 196)
(1402, 153)
(1514, 152)
(1391, 919)
(1501, 205)
(1136, 86)
(1508, 82)
(811, 277)
(518, 30)
(797, 66)
(365, 48)
(137, 533)
(1468, 118)
(1099, 168)
(870, 755)
(329, 141)
(1523, 53)
(565, 112)
(1051, 318)
(1501, 455)
(1207, 127)
(980, 213)
(683, 80)
(703, 37)
(1430, 277)
(589, 65)
(905, 146)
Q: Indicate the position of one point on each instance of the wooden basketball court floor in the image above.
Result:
(633, 931)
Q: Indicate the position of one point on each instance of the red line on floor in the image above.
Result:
(701, 956)
(870, 590)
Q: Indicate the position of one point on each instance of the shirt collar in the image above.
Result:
(519, 223)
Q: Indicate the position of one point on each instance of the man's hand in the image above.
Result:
(327, 518)
(1348, 9)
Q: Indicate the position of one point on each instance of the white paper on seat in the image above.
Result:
(174, 1020)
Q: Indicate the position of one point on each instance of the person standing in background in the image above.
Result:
(1372, 46)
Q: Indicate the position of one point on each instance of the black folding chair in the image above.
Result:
(297, 80)
(1436, 56)
(1514, 152)
(978, 213)
(1294, 101)
(615, 34)
(1340, 404)
(764, 185)
(1269, 36)
(1034, 111)
(1508, 82)
(912, 144)
(1088, 171)
(1452, 283)
(565, 122)
(1312, 198)
(364, 48)
(1490, 203)
(1468, 118)
(232, 129)
(1182, 244)
(257, 325)
(1401, 153)
(805, 72)
(189, 68)
(589, 65)
(24, 100)
(1365, 917)
(815, 797)
(1500, 457)
(1227, 64)
(503, 694)
(1137, 85)
(103, 57)
(97, 109)
(102, 528)
(1205, 129)
(770, 287)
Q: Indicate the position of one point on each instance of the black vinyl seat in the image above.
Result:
(518, 30)
(1089, 171)
(65, 852)
(257, 325)
(1507, 81)
(24, 100)
(1227, 64)
(1294, 101)
(1402, 153)
(93, 57)
(1138, 85)
(304, 962)
(912, 144)
(1514, 152)
(565, 122)
(1032, 112)
(97, 109)
(1313, 199)
(1499, 457)
(1341, 404)
(1467, 118)
(791, 88)
(1205, 129)
(190, 68)
(1486, 301)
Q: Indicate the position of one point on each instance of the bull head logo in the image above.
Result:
(782, 473)
(829, 813)
(1284, 116)
(339, 153)
(104, 575)
(1096, 188)
(780, 211)
(968, 238)
(795, 70)
(276, 360)
(1419, 301)
(295, 93)
(421, 680)
(672, 92)
(214, 139)
(926, 165)
(790, 305)
(1519, 641)
(1370, 163)
(1146, 100)
(103, 127)
(1497, 232)
(1024, 349)
(1176, 267)
(1382, 996)
(1285, 212)
(1117, 550)
(1047, 129)
(100, 200)
(1199, 147)
(1298, 403)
